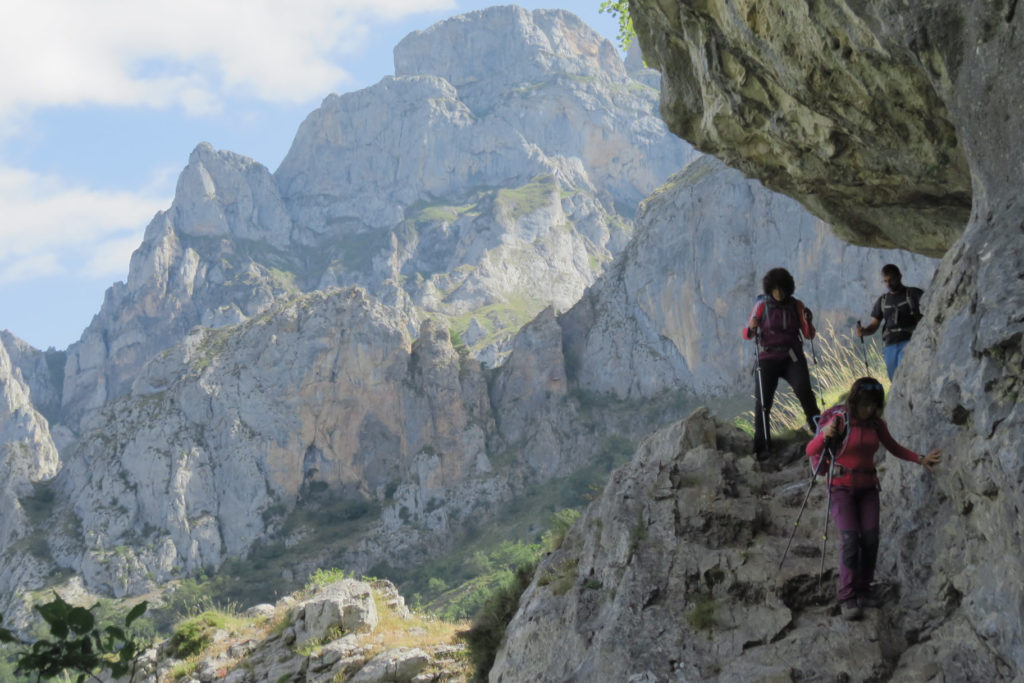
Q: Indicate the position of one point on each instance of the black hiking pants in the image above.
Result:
(771, 370)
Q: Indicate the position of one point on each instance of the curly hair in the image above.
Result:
(866, 390)
(778, 278)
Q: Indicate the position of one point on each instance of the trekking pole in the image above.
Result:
(810, 486)
(828, 505)
(863, 351)
(760, 389)
(814, 357)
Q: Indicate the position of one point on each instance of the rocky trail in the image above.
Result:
(673, 574)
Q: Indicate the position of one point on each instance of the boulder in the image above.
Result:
(345, 605)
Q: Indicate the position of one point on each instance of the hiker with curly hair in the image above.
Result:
(779, 323)
(853, 432)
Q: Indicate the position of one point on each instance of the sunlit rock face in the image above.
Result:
(499, 173)
(901, 123)
(668, 312)
(27, 453)
(821, 102)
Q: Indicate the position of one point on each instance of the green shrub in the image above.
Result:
(702, 616)
(323, 577)
(561, 521)
(488, 629)
(193, 635)
(190, 638)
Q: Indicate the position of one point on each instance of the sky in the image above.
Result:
(101, 103)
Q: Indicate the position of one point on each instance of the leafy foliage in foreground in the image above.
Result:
(620, 10)
(78, 643)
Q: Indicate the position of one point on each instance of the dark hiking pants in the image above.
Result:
(855, 513)
(799, 378)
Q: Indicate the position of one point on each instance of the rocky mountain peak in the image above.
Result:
(508, 46)
(441, 191)
(223, 194)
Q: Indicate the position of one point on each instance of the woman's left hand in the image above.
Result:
(931, 459)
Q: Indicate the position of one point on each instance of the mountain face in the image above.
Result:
(749, 86)
(221, 434)
(27, 452)
(227, 434)
(441, 200)
(444, 193)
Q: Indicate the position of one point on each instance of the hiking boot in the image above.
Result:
(851, 611)
(869, 601)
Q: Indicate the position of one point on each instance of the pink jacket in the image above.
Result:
(856, 459)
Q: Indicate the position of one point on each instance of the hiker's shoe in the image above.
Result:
(870, 601)
(851, 611)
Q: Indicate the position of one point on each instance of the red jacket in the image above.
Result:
(856, 459)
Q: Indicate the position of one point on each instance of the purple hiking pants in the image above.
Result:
(855, 513)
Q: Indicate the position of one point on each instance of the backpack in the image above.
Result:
(836, 411)
(779, 324)
(902, 320)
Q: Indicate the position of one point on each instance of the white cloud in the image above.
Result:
(110, 258)
(48, 228)
(186, 53)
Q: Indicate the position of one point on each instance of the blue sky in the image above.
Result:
(101, 103)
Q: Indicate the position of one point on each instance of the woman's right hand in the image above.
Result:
(931, 459)
(831, 429)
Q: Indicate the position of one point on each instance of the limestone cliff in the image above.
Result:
(668, 312)
(480, 194)
(223, 433)
(27, 453)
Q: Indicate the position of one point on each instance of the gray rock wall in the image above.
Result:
(673, 574)
(323, 390)
(668, 313)
(27, 453)
(793, 76)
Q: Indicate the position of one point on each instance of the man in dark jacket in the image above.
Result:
(900, 309)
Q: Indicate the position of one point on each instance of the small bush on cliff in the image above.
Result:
(193, 635)
(484, 636)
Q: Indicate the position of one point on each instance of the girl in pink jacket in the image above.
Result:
(854, 435)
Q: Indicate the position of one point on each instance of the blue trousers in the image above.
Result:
(893, 354)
